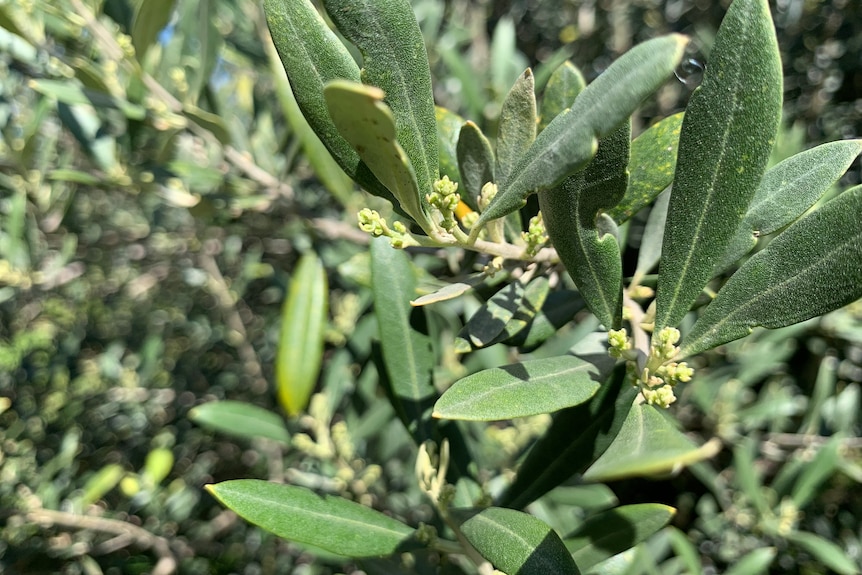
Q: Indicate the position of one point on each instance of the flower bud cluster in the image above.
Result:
(489, 191)
(536, 236)
(445, 198)
(659, 374)
(372, 222)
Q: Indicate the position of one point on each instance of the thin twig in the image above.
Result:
(238, 159)
(126, 534)
(219, 288)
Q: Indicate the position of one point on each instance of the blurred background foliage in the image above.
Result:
(156, 191)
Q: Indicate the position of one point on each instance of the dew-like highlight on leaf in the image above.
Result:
(690, 72)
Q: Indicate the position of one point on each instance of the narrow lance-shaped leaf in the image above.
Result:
(395, 60)
(570, 140)
(647, 444)
(517, 124)
(583, 237)
(522, 389)
(729, 128)
(448, 133)
(504, 315)
(312, 55)
(563, 87)
(576, 438)
(506, 61)
(70, 92)
(300, 343)
(653, 161)
(560, 308)
(754, 563)
(149, 19)
(825, 552)
(615, 531)
(325, 167)
(359, 113)
(407, 352)
(515, 542)
(787, 190)
(297, 514)
(476, 160)
(240, 419)
(649, 252)
(812, 267)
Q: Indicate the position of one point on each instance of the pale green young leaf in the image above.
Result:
(819, 470)
(563, 87)
(448, 133)
(646, 445)
(748, 477)
(576, 438)
(364, 120)
(407, 351)
(207, 120)
(506, 62)
(527, 388)
(569, 142)
(312, 56)
(395, 60)
(514, 542)
(653, 161)
(70, 92)
(99, 484)
(505, 314)
(728, 131)
(157, 465)
(825, 552)
(476, 160)
(687, 554)
(449, 291)
(325, 167)
(149, 18)
(756, 562)
(516, 128)
(560, 308)
(298, 514)
(649, 251)
(240, 419)
(787, 190)
(573, 217)
(613, 531)
(812, 267)
(300, 340)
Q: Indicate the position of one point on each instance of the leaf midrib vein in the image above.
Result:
(769, 291)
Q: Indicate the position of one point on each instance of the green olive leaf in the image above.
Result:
(312, 56)
(727, 134)
(364, 120)
(569, 142)
(515, 542)
(812, 267)
(476, 160)
(563, 87)
(653, 161)
(517, 124)
(787, 190)
(395, 60)
(572, 217)
(448, 133)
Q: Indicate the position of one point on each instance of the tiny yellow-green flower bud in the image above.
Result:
(489, 190)
(445, 187)
(469, 220)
